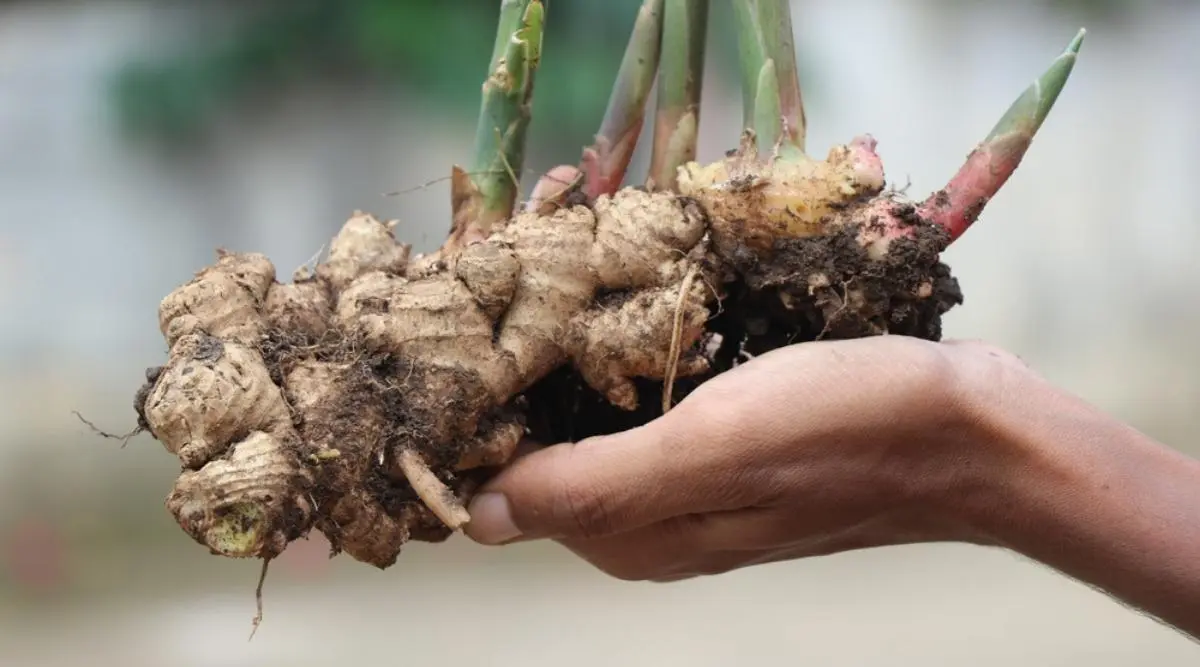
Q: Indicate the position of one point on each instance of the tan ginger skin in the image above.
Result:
(359, 398)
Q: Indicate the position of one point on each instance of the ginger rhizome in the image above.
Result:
(368, 398)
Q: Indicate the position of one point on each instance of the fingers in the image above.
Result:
(594, 487)
(644, 553)
(607, 485)
(819, 424)
(701, 545)
(685, 543)
(728, 561)
(698, 545)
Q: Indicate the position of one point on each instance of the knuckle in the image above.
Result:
(587, 510)
(584, 506)
(982, 366)
(991, 350)
(938, 369)
(930, 372)
(724, 448)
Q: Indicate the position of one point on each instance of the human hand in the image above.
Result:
(812, 449)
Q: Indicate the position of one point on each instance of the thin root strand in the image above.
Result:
(436, 495)
(258, 598)
(124, 438)
(677, 338)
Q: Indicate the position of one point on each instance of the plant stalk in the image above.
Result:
(958, 205)
(488, 192)
(605, 162)
(772, 103)
(680, 83)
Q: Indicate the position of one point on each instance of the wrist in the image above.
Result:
(1096, 500)
(997, 454)
(1044, 473)
(966, 457)
(1017, 464)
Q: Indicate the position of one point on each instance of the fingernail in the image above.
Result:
(491, 520)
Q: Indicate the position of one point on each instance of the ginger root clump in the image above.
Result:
(369, 398)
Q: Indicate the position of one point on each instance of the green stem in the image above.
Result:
(958, 205)
(511, 13)
(1029, 111)
(605, 162)
(772, 104)
(488, 192)
(680, 82)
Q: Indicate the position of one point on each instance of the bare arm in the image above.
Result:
(829, 447)
(1096, 500)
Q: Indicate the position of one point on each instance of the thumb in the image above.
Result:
(596, 487)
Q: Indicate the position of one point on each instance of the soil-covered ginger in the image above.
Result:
(369, 397)
(360, 398)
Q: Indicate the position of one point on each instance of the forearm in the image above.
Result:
(1098, 501)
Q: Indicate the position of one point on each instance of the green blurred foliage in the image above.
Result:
(436, 50)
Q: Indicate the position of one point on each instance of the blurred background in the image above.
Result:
(137, 137)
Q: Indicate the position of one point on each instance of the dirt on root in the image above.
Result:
(372, 405)
(363, 406)
(383, 404)
(828, 288)
(821, 288)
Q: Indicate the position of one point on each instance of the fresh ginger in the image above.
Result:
(369, 398)
(346, 400)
